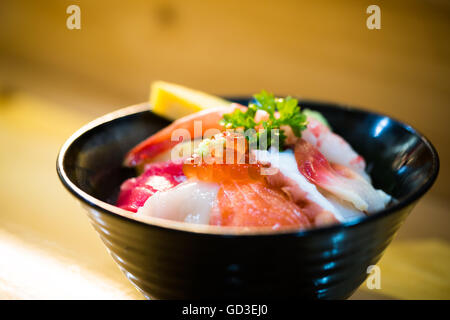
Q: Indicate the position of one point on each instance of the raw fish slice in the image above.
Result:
(346, 209)
(341, 181)
(132, 196)
(188, 202)
(254, 204)
(333, 147)
(305, 194)
(156, 177)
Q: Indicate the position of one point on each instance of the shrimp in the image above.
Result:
(341, 181)
(190, 127)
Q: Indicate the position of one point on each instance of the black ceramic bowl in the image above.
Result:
(174, 260)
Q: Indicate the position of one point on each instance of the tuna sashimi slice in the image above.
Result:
(161, 176)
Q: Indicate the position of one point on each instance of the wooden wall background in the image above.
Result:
(315, 49)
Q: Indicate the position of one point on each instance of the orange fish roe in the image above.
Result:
(244, 199)
(229, 162)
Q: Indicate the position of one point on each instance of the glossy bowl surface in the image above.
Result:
(174, 260)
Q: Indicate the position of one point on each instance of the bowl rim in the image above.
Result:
(233, 231)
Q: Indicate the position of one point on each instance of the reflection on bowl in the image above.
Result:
(173, 260)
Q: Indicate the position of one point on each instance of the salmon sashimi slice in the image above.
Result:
(254, 204)
(162, 176)
(339, 180)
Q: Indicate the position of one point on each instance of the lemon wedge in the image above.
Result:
(173, 101)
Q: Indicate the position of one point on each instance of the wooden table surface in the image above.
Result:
(49, 250)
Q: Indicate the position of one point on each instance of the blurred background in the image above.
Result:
(53, 80)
